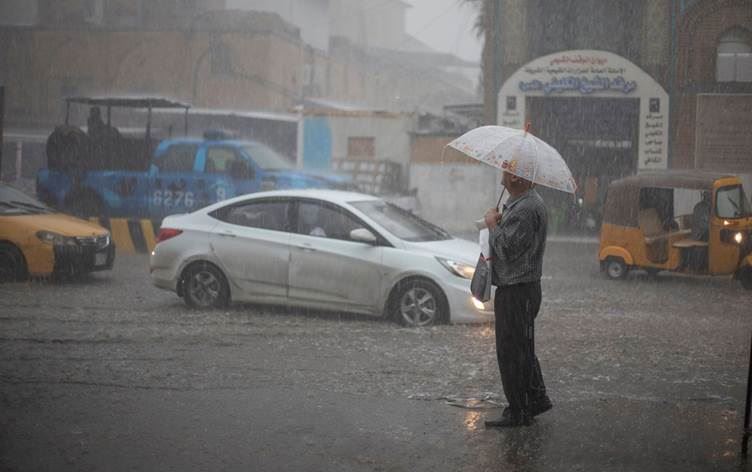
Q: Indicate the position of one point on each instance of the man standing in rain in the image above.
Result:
(518, 239)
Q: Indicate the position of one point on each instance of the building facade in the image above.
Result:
(209, 55)
(622, 86)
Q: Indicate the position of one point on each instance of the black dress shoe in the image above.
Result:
(538, 407)
(541, 406)
(509, 421)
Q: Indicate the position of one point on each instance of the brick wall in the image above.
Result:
(697, 40)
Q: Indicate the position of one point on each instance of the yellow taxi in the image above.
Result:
(35, 240)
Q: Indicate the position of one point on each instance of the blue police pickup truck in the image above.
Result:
(185, 174)
(106, 172)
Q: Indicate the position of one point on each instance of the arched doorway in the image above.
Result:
(607, 117)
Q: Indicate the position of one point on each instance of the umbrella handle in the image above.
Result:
(500, 197)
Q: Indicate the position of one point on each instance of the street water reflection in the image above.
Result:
(645, 374)
(473, 421)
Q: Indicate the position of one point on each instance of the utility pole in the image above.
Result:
(2, 129)
(492, 59)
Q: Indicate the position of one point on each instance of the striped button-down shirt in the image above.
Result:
(519, 240)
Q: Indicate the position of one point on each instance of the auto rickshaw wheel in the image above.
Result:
(615, 268)
(745, 277)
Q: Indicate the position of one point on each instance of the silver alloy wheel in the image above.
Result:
(418, 307)
(615, 269)
(204, 288)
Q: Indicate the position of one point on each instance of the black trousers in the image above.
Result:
(515, 309)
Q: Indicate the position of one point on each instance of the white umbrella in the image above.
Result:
(517, 152)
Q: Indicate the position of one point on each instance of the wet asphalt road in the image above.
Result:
(110, 373)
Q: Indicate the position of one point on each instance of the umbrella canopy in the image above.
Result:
(517, 152)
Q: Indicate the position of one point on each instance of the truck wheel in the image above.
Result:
(12, 264)
(615, 268)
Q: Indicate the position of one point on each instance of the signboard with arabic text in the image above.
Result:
(592, 73)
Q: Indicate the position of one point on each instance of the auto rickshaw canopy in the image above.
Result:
(623, 199)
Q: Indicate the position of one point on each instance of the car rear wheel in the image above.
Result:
(12, 264)
(204, 286)
(419, 303)
(616, 268)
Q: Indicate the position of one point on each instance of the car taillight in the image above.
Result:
(167, 233)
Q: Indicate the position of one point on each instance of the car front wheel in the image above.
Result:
(419, 303)
(204, 286)
(12, 264)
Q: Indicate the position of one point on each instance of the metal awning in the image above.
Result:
(130, 102)
(150, 103)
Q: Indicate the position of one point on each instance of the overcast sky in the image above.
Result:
(445, 25)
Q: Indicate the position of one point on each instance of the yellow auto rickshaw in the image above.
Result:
(689, 221)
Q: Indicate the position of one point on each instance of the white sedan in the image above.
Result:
(323, 249)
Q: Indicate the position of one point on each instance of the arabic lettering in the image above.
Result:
(574, 70)
(654, 142)
(584, 85)
(578, 59)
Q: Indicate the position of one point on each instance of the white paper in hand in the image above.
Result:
(483, 241)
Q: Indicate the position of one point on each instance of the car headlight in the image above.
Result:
(56, 239)
(459, 269)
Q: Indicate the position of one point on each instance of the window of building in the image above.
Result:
(734, 61)
(221, 59)
(125, 13)
(361, 148)
(94, 11)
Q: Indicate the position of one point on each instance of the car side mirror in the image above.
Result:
(363, 235)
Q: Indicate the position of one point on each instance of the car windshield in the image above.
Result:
(266, 157)
(15, 202)
(731, 203)
(400, 222)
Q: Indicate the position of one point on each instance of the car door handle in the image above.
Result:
(307, 247)
(226, 234)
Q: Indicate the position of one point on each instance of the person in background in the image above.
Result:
(701, 218)
(94, 124)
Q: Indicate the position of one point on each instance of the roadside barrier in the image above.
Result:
(131, 236)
